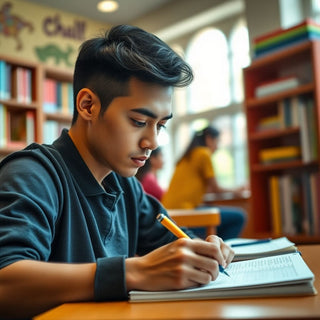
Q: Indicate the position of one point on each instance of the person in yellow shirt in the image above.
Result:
(194, 176)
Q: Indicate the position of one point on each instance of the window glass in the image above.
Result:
(217, 62)
(230, 159)
(208, 56)
(240, 58)
(316, 10)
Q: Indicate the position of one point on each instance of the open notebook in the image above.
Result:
(280, 275)
(254, 248)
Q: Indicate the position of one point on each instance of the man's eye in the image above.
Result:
(138, 123)
(161, 126)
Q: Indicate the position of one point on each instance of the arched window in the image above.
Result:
(239, 59)
(215, 97)
(208, 56)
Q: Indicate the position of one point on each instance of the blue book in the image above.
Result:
(2, 79)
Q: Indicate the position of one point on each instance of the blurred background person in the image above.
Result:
(194, 177)
(147, 174)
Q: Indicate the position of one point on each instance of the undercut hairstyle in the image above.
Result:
(106, 64)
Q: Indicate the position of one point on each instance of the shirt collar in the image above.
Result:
(81, 173)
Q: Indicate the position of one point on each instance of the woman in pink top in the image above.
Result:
(147, 174)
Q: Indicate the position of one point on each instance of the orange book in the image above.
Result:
(275, 205)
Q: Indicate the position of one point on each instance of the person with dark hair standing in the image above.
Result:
(75, 224)
(194, 177)
(147, 174)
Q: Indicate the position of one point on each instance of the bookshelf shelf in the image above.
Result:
(269, 134)
(295, 114)
(266, 101)
(282, 166)
(22, 103)
(12, 103)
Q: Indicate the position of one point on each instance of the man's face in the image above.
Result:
(122, 139)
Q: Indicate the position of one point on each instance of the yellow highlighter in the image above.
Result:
(171, 226)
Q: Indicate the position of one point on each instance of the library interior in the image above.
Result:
(256, 68)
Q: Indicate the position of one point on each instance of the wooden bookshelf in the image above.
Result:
(22, 113)
(20, 98)
(303, 215)
(57, 85)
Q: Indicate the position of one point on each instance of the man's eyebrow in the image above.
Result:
(150, 114)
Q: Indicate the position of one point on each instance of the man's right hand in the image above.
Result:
(181, 264)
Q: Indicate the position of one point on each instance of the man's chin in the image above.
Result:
(128, 173)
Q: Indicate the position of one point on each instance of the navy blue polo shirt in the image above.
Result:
(53, 209)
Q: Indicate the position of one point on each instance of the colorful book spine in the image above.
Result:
(294, 203)
(284, 38)
(277, 154)
(306, 119)
(275, 205)
(276, 86)
(30, 127)
(3, 80)
(3, 126)
(50, 96)
(270, 123)
(275, 33)
(305, 32)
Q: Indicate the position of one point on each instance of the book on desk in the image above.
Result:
(273, 275)
(245, 249)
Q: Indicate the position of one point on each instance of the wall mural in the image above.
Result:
(53, 27)
(11, 25)
(53, 51)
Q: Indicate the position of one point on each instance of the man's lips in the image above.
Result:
(139, 161)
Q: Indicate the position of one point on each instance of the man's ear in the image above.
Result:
(86, 100)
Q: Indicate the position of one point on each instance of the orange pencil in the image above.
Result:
(171, 226)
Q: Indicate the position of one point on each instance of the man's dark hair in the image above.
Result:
(106, 64)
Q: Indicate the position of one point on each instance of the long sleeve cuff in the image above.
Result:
(109, 283)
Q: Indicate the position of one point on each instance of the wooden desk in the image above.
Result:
(208, 218)
(256, 308)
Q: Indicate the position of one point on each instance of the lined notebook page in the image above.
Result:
(249, 274)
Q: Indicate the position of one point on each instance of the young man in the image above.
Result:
(75, 225)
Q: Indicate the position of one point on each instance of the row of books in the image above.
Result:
(58, 97)
(277, 85)
(17, 128)
(298, 112)
(15, 83)
(294, 203)
(286, 116)
(279, 154)
(285, 38)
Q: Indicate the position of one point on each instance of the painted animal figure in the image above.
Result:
(11, 25)
(53, 51)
